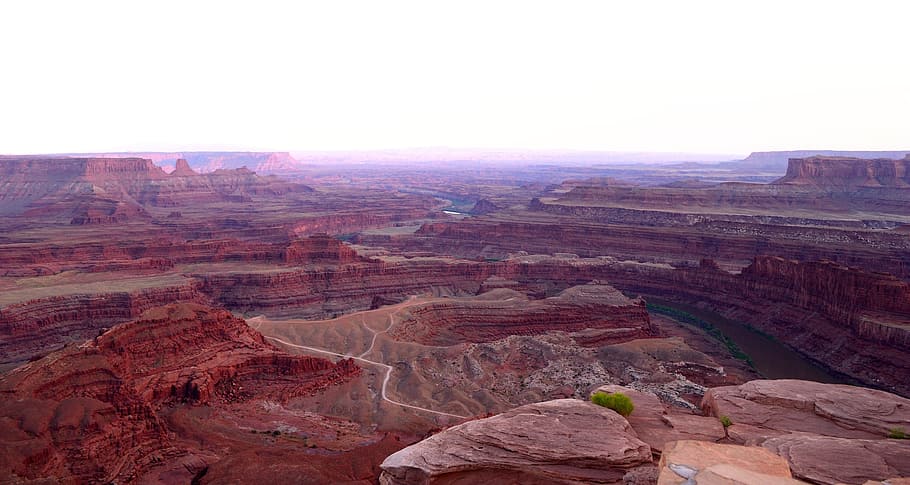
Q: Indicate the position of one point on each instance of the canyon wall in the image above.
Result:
(850, 321)
(732, 243)
(92, 413)
(34, 327)
(847, 172)
(502, 312)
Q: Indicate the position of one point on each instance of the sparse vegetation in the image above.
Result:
(616, 401)
(726, 421)
(898, 434)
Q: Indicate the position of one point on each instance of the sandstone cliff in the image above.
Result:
(35, 182)
(847, 172)
(852, 321)
(90, 413)
(502, 313)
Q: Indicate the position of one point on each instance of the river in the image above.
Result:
(771, 358)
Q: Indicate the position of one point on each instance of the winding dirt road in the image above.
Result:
(360, 358)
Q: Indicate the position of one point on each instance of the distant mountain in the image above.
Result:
(777, 161)
(205, 162)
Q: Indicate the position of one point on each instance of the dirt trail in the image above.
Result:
(256, 322)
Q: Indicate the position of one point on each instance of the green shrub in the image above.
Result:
(898, 434)
(726, 421)
(616, 401)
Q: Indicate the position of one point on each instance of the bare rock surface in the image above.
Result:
(812, 407)
(698, 461)
(560, 441)
(830, 460)
(829, 433)
(658, 424)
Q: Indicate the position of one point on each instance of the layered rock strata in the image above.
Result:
(851, 321)
(35, 327)
(501, 313)
(91, 412)
(828, 433)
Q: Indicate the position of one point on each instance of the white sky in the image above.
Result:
(725, 76)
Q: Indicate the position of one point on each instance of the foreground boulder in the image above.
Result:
(825, 459)
(770, 407)
(560, 441)
(829, 433)
(708, 463)
(658, 424)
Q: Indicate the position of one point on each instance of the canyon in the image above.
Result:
(168, 326)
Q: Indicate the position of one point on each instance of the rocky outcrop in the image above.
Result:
(281, 250)
(786, 405)
(34, 327)
(484, 206)
(320, 248)
(501, 313)
(777, 161)
(562, 441)
(847, 172)
(854, 298)
(659, 424)
(263, 162)
(321, 291)
(859, 333)
(182, 169)
(686, 462)
(829, 460)
(733, 243)
(527, 442)
(828, 433)
(91, 413)
(33, 322)
(852, 321)
(32, 183)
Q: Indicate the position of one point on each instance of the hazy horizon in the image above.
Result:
(706, 77)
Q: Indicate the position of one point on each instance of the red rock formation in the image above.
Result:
(788, 405)
(264, 162)
(35, 327)
(320, 248)
(35, 182)
(324, 291)
(658, 424)
(851, 321)
(90, 413)
(182, 169)
(732, 243)
(689, 462)
(23, 260)
(501, 313)
(528, 445)
(847, 172)
(829, 433)
(484, 206)
(852, 297)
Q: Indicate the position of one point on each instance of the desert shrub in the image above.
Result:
(616, 401)
(898, 434)
(726, 421)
